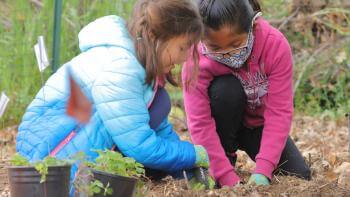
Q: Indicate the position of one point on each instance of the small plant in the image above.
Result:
(30, 178)
(41, 166)
(97, 186)
(115, 163)
(19, 160)
(110, 162)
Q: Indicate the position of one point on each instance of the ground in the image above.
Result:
(324, 144)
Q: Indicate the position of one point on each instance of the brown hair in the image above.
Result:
(154, 22)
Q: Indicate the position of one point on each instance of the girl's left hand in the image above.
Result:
(258, 179)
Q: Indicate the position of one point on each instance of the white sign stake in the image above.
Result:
(41, 58)
(4, 100)
(41, 54)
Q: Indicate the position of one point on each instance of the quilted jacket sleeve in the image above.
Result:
(118, 96)
(165, 130)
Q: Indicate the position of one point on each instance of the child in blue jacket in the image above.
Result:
(122, 70)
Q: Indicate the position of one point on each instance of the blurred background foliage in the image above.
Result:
(318, 31)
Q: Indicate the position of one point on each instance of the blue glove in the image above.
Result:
(202, 159)
(258, 179)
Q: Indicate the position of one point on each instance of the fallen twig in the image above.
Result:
(277, 179)
(322, 186)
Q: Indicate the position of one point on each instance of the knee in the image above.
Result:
(302, 171)
(226, 92)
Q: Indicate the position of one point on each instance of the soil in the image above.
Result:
(323, 143)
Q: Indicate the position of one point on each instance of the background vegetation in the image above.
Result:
(317, 30)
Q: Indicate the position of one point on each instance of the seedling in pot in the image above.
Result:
(41, 166)
(110, 174)
(115, 163)
(48, 177)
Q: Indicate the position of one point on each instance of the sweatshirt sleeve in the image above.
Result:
(202, 126)
(278, 107)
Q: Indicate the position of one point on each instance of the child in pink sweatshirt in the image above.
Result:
(243, 95)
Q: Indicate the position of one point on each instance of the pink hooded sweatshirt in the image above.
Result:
(268, 84)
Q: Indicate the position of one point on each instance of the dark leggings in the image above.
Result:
(228, 101)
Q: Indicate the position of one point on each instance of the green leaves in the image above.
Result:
(111, 162)
(41, 166)
(115, 163)
(19, 160)
(107, 161)
(96, 187)
(107, 190)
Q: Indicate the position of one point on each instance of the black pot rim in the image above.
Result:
(32, 167)
(114, 175)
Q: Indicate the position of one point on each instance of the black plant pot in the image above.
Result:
(25, 182)
(121, 186)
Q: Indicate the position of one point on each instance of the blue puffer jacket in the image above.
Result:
(114, 81)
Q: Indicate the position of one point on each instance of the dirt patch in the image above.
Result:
(323, 143)
(7, 148)
(285, 186)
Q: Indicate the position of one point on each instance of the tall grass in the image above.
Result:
(324, 88)
(21, 22)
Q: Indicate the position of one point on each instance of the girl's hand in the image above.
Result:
(258, 179)
(199, 179)
(202, 159)
(195, 184)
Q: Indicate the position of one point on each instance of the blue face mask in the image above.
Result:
(237, 57)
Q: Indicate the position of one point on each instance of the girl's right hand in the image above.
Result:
(202, 158)
(197, 185)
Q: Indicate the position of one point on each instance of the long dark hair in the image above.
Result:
(154, 22)
(216, 13)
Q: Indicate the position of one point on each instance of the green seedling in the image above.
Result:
(110, 162)
(41, 166)
(115, 163)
